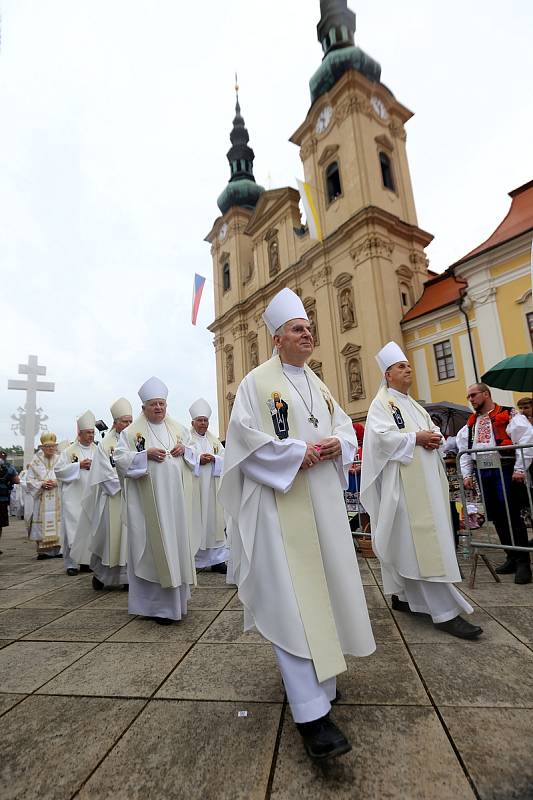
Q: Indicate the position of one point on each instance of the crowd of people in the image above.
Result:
(156, 500)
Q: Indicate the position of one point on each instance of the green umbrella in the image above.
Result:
(514, 373)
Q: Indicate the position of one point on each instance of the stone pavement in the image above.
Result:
(97, 704)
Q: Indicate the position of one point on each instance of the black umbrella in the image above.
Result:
(453, 416)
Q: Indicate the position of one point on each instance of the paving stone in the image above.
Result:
(518, 620)
(212, 599)
(500, 594)
(5, 642)
(70, 596)
(228, 627)
(386, 677)
(118, 670)
(7, 701)
(469, 674)
(420, 629)
(393, 758)
(117, 599)
(21, 593)
(50, 745)
(10, 579)
(142, 629)
(81, 626)
(226, 672)
(24, 666)
(235, 604)
(186, 737)
(213, 580)
(17, 622)
(480, 734)
(374, 598)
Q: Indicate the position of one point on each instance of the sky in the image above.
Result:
(114, 124)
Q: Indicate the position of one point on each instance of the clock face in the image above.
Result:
(379, 107)
(324, 118)
(222, 232)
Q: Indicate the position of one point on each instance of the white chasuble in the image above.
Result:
(45, 525)
(161, 542)
(74, 483)
(101, 523)
(405, 491)
(289, 532)
(207, 513)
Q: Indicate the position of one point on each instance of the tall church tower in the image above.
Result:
(369, 269)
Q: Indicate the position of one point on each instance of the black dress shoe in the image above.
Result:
(400, 605)
(322, 738)
(523, 572)
(58, 555)
(460, 627)
(97, 585)
(508, 568)
(85, 568)
(72, 571)
(43, 557)
(163, 620)
(222, 568)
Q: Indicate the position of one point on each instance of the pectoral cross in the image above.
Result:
(313, 420)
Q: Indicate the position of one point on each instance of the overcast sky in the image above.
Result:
(114, 124)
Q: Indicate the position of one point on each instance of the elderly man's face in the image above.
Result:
(295, 343)
(122, 422)
(400, 376)
(86, 437)
(200, 425)
(155, 410)
(49, 449)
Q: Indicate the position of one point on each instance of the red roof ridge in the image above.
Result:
(434, 296)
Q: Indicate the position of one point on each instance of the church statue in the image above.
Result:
(311, 314)
(230, 375)
(273, 257)
(347, 310)
(254, 355)
(354, 379)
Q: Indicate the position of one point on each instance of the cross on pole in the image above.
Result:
(31, 386)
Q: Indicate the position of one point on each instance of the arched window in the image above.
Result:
(386, 172)
(333, 182)
(226, 281)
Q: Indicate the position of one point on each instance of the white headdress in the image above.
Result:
(86, 421)
(153, 388)
(200, 408)
(389, 355)
(284, 306)
(121, 408)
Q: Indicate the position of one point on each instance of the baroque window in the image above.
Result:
(444, 360)
(333, 182)
(386, 172)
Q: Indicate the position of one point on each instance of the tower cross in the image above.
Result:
(31, 386)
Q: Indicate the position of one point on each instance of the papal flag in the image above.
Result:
(311, 213)
(197, 289)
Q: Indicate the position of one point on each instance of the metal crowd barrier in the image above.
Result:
(490, 458)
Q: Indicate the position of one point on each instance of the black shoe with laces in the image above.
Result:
(72, 571)
(460, 627)
(322, 738)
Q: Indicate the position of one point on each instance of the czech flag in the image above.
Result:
(197, 290)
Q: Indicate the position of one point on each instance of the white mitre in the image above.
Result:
(284, 306)
(121, 408)
(86, 421)
(389, 355)
(200, 408)
(152, 389)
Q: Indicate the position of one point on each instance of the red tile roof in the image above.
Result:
(438, 292)
(519, 219)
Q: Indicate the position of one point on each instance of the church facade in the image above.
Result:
(368, 270)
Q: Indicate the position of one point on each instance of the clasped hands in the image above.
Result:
(157, 454)
(49, 485)
(206, 458)
(85, 463)
(429, 440)
(326, 450)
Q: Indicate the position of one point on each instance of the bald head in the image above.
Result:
(480, 398)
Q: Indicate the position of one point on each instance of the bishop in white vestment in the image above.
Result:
(288, 450)
(102, 524)
(405, 491)
(155, 460)
(41, 483)
(72, 470)
(207, 513)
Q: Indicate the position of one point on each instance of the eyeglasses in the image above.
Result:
(474, 394)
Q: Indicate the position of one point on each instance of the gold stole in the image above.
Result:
(300, 535)
(49, 507)
(425, 537)
(147, 496)
(114, 507)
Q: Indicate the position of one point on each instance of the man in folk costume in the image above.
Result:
(155, 459)
(41, 483)
(72, 470)
(292, 551)
(102, 524)
(405, 491)
(207, 514)
(492, 425)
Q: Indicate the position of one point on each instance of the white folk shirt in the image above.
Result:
(519, 430)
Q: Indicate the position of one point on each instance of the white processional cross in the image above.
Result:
(31, 386)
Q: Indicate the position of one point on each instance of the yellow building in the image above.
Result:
(370, 269)
(477, 312)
